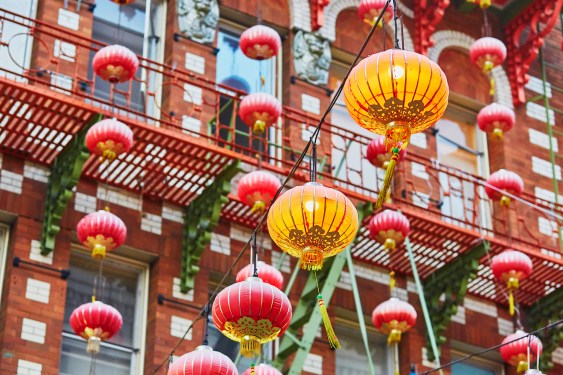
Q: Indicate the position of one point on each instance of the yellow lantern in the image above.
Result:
(312, 222)
(396, 93)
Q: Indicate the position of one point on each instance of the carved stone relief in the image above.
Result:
(312, 57)
(197, 19)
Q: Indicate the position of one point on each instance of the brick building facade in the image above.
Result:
(175, 107)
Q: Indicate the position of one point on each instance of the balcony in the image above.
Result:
(186, 132)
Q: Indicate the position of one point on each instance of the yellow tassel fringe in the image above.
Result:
(389, 173)
(331, 335)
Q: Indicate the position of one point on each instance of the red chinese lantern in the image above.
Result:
(394, 317)
(504, 180)
(369, 11)
(115, 63)
(516, 353)
(259, 110)
(262, 369)
(95, 322)
(389, 228)
(257, 189)
(260, 42)
(496, 119)
(378, 155)
(109, 138)
(511, 267)
(253, 313)
(123, 2)
(203, 361)
(269, 274)
(101, 231)
(487, 53)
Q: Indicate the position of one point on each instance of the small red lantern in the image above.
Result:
(253, 313)
(504, 180)
(516, 353)
(260, 42)
(257, 189)
(109, 138)
(95, 322)
(378, 155)
(511, 267)
(259, 110)
(389, 228)
(487, 53)
(115, 63)
(394, 317)
(203, 361)
(269, 274)
(262, 369)
(101, 231)
(496, 119)
(369, 10)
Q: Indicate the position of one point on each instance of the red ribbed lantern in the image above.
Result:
(253, 313)
(487, 53)
(511, 267)
(203, 361)
(516, 353)
(369, 10)
(504, 180)
(389, 228)
(101, 231)
(496, 119)
(109, 138)
(378, 155)
(95, 322)
(262, 369)
(269, 274)
(260, 42)
(115, 63)
(257, 189)
(123, 2)
(259, 110)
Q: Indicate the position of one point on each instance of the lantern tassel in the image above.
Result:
(259, 127)
(331, 335)
(510, 302)
(512, 284)
(522, 367)
(392, 280)
(258, 207)
(99, 251)
(389, 173)
(250, 347)
(93, 346)
(396, 358)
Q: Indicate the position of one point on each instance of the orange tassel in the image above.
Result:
(389, 173)
(331, 335)
(510, 302)
(392, 280)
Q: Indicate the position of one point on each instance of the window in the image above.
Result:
(137, 26)
(123, 287)
(477, 366)
(3, 254)
(351, 358)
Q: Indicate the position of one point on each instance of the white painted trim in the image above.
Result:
(300, 14)
(4, 235)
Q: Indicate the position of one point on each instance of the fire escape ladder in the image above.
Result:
(306, 315)
(445, 289)
(65, 173)
(201, 216)
(546, 311)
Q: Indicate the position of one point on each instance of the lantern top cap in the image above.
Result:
(204, 347)
(313, 183)
(254, 279)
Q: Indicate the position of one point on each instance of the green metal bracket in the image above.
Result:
(545, 311)
(65, 173)
(306, 311)
(201, 216)
(451, 282)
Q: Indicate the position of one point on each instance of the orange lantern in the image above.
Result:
(396, 93)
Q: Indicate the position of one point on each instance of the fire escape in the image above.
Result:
(46, 108)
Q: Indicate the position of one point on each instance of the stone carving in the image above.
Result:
(312, 57)
(197, 19)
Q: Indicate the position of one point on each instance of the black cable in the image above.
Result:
(205, 328)
(395, 17)
(254, 251)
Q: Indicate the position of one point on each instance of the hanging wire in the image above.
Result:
(254, 251)
(313, 163)
(205, 340)
(395, 18)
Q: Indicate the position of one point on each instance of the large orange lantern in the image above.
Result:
(108, 139)
(252, 313)
(396, 93)
(515, 353)
(115, 63)
(511, 267)
(95, 322)
(101, 231)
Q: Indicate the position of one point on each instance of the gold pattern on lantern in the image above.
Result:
(246, 326)
(99, 244)
(260, 51)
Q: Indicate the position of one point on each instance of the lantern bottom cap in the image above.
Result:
(250, 347)
(311, 260)
(505, 201)
(99, 251)
(497, 134)
(93, 346)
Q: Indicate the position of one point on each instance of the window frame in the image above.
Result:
(487, 363)
(4, 242)
(142, 298)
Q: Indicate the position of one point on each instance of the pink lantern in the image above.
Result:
(101, 231)
(109, 138)
(487, 53)
(257, 189)
(389, 228)
(504, 180)
(115, 63)
(262, 369)
(369, 11)
(516, 353)
(260, 42)
(495, 119)
(511, 267)
(378, 155)
(269, 274)
(259, 110)
(95, 322)
(203, 361)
